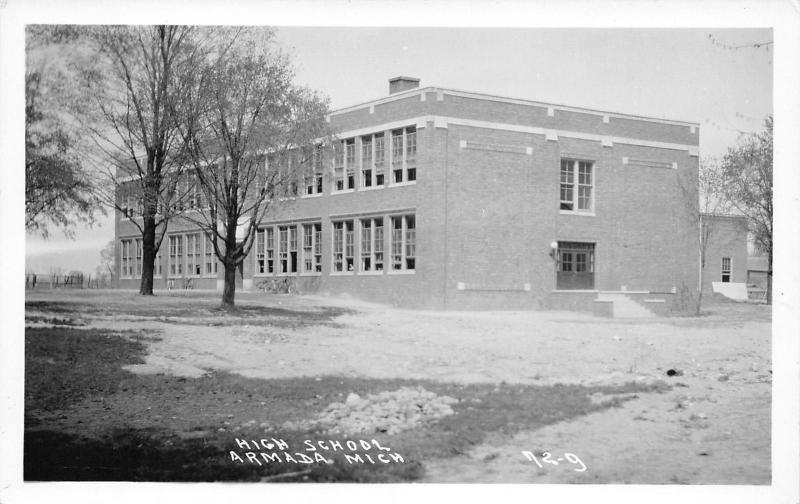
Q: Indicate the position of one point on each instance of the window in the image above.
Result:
(287, 249)
(265, 252)
(193, 267)
(350, 162)
(575, 266)
(576, 197)
(312, 248)
(404, 155)
(397, 156)
(726, 269)
(176, 255)
(338, 166)
(343, 246)
(403, 243)
(366, 161)
(138, 257)
(210, 256)
(371, 252)
(411, 154)
(125, 258)
(157, 264)
(379, 158)
(313, 179)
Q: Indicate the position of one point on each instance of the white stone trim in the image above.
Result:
(550, 134)
(372, 109)
(439, 95)
(606, 141)
(551, 112)
(422, 96)
(606, 119)
(529, 151)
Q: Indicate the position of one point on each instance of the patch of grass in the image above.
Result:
(204, 312)
(64, 321)
(63, 365)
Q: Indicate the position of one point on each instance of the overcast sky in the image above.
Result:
(666, 73)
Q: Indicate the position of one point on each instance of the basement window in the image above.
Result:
(726, 269)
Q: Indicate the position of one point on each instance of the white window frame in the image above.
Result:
(208, 251)
(311, 254)
(139, 246)
(405, 238)
(376, 246)
(176, 256)
(575, 185)
(406, 164)
(194, 255)
(729, 271)
(346, 240)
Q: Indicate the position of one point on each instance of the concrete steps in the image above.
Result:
(623, 306)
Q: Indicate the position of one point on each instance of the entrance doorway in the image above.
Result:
(575, 266)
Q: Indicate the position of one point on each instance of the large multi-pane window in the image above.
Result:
(338, 166)
(380, 157)
(397, 155)
(350, 162)
(176, 255)
(265, 251)
(158, 264)
(366, 161)
(403, 242)
(138, 257)
(313, 179)
(312, 248)
(126, 260)
(210, 256)
(193, 267)
(577, 185)
(343, 246)
(371, 252)
(287, 249)
(404, 155)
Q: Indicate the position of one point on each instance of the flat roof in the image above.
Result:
(519, 101)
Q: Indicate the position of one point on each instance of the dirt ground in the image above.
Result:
(711, 427)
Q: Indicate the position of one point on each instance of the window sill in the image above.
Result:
(372, 188)
(371, 273)
(573, 212)
(307, 196)
(403, 184)
(342, 273)
(561, 291)
(401, 272)
(343, 191)
(311, 274)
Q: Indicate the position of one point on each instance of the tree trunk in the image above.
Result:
(148, 255)
(229, 291)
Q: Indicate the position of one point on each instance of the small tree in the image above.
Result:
(746, 172)
(243, 108)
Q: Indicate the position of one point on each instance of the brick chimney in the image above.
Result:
(402, 83)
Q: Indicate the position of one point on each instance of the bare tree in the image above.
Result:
(746, 172)
(249, 132)
(131, 78)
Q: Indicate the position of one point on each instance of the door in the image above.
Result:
(575, 266)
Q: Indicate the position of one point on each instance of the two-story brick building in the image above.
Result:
(446, 199)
